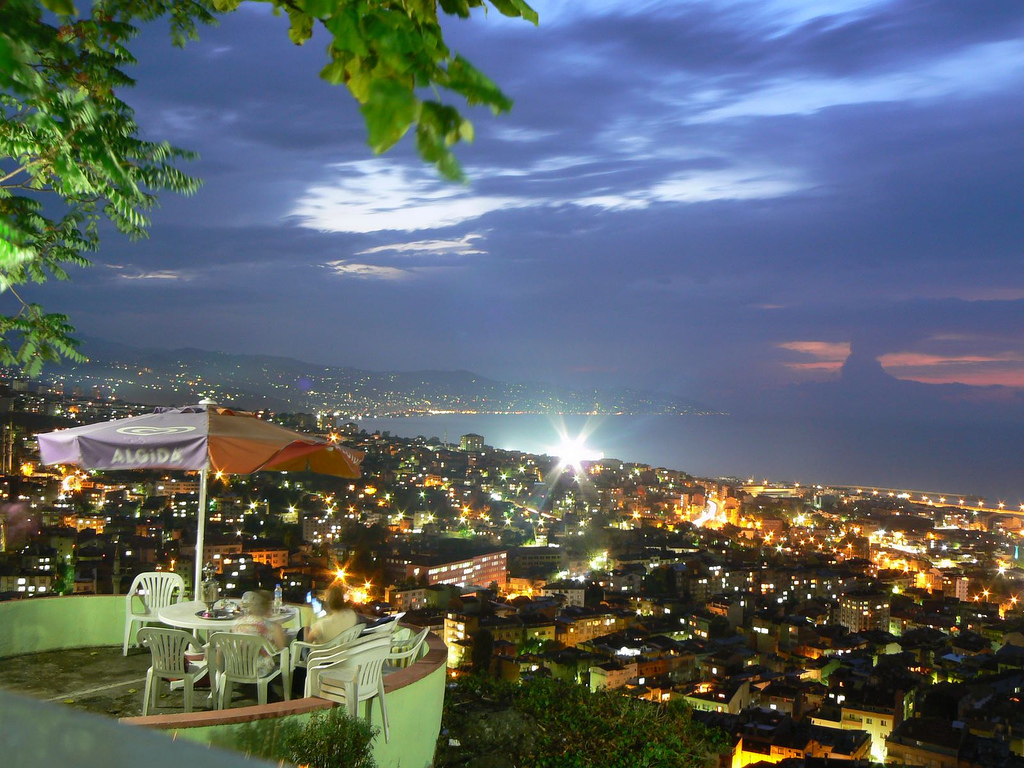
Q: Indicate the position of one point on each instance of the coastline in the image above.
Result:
(923, 457)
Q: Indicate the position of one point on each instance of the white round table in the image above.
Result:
(185, 615)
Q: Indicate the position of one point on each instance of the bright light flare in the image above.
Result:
(573, 452)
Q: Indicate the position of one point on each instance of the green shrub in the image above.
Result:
(546, 723)
(332, 739)
(329, 739)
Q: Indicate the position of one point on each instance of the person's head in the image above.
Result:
(334, 599)
(257, 602)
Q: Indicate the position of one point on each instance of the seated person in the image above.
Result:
(339, 617)
(256, 607)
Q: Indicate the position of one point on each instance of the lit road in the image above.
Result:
(944, 500)
(710, 510)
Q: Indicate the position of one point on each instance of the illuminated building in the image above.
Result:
(479, 570)
(864, 610)
(472, 442)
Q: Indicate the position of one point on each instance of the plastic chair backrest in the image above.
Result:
(167, 647)
(348, 635)
(385, 628)
(157, 589)
(332, 653)
(344, 637)
(369, 658)
(405, 652)
(239, 655)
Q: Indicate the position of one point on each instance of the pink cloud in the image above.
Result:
(824, 350)
(923, 359)
(975, 378)
(822, 365)
(1003, 369)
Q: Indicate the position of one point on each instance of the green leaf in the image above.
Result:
(475, 86)
(347, 31)
(7, 59)
(458, 8)
(321, 9)
(515, 8)
(389, 111)
(60, 7)
(334, 73)
(301, 26)
(526, 11)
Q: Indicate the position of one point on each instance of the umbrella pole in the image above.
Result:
(200, 533)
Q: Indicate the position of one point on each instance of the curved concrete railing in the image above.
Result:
(415, 695)
(40, 624)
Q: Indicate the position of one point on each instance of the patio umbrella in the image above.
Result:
(199, 438)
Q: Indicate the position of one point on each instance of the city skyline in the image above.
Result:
(723, 201)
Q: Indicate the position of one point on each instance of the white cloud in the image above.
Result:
(784, 13)
(516, 135)
(462, 246)
(366, 271)
(372, 196)
(702, 186)
(187, 120)
(546, 165)
(982, 68)
(159, 274)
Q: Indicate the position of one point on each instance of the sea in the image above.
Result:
(955, 460)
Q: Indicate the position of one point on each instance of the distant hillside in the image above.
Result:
(162, 377)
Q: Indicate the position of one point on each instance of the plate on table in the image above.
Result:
(218, 614)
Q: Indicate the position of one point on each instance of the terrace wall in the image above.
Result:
(39, 624)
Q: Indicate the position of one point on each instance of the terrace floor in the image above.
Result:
(102, 681)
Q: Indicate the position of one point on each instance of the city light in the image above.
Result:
(573, 452)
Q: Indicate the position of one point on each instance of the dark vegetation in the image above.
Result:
(545, 723)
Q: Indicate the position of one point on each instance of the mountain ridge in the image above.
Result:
(164, 377)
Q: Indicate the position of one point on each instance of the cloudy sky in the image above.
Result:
(720, 199)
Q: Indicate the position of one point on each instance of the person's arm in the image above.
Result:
(278, 637)
(313, 633)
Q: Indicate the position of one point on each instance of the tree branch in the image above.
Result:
(14, 173)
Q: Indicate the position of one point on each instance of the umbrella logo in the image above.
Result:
(151, 431)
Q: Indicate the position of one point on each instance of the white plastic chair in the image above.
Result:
(168, 647)
(355, 674)
(385, 628)
(240, 659)
(323, 656)
(404, 652)
(402, 633)
(298, 647)
(154, 590)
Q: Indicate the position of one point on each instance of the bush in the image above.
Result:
(332, 739)
(329, 739)
(561, 725)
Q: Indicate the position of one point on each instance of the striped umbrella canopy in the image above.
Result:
(200, 438)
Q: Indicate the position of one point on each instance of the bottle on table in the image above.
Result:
(278, 598)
